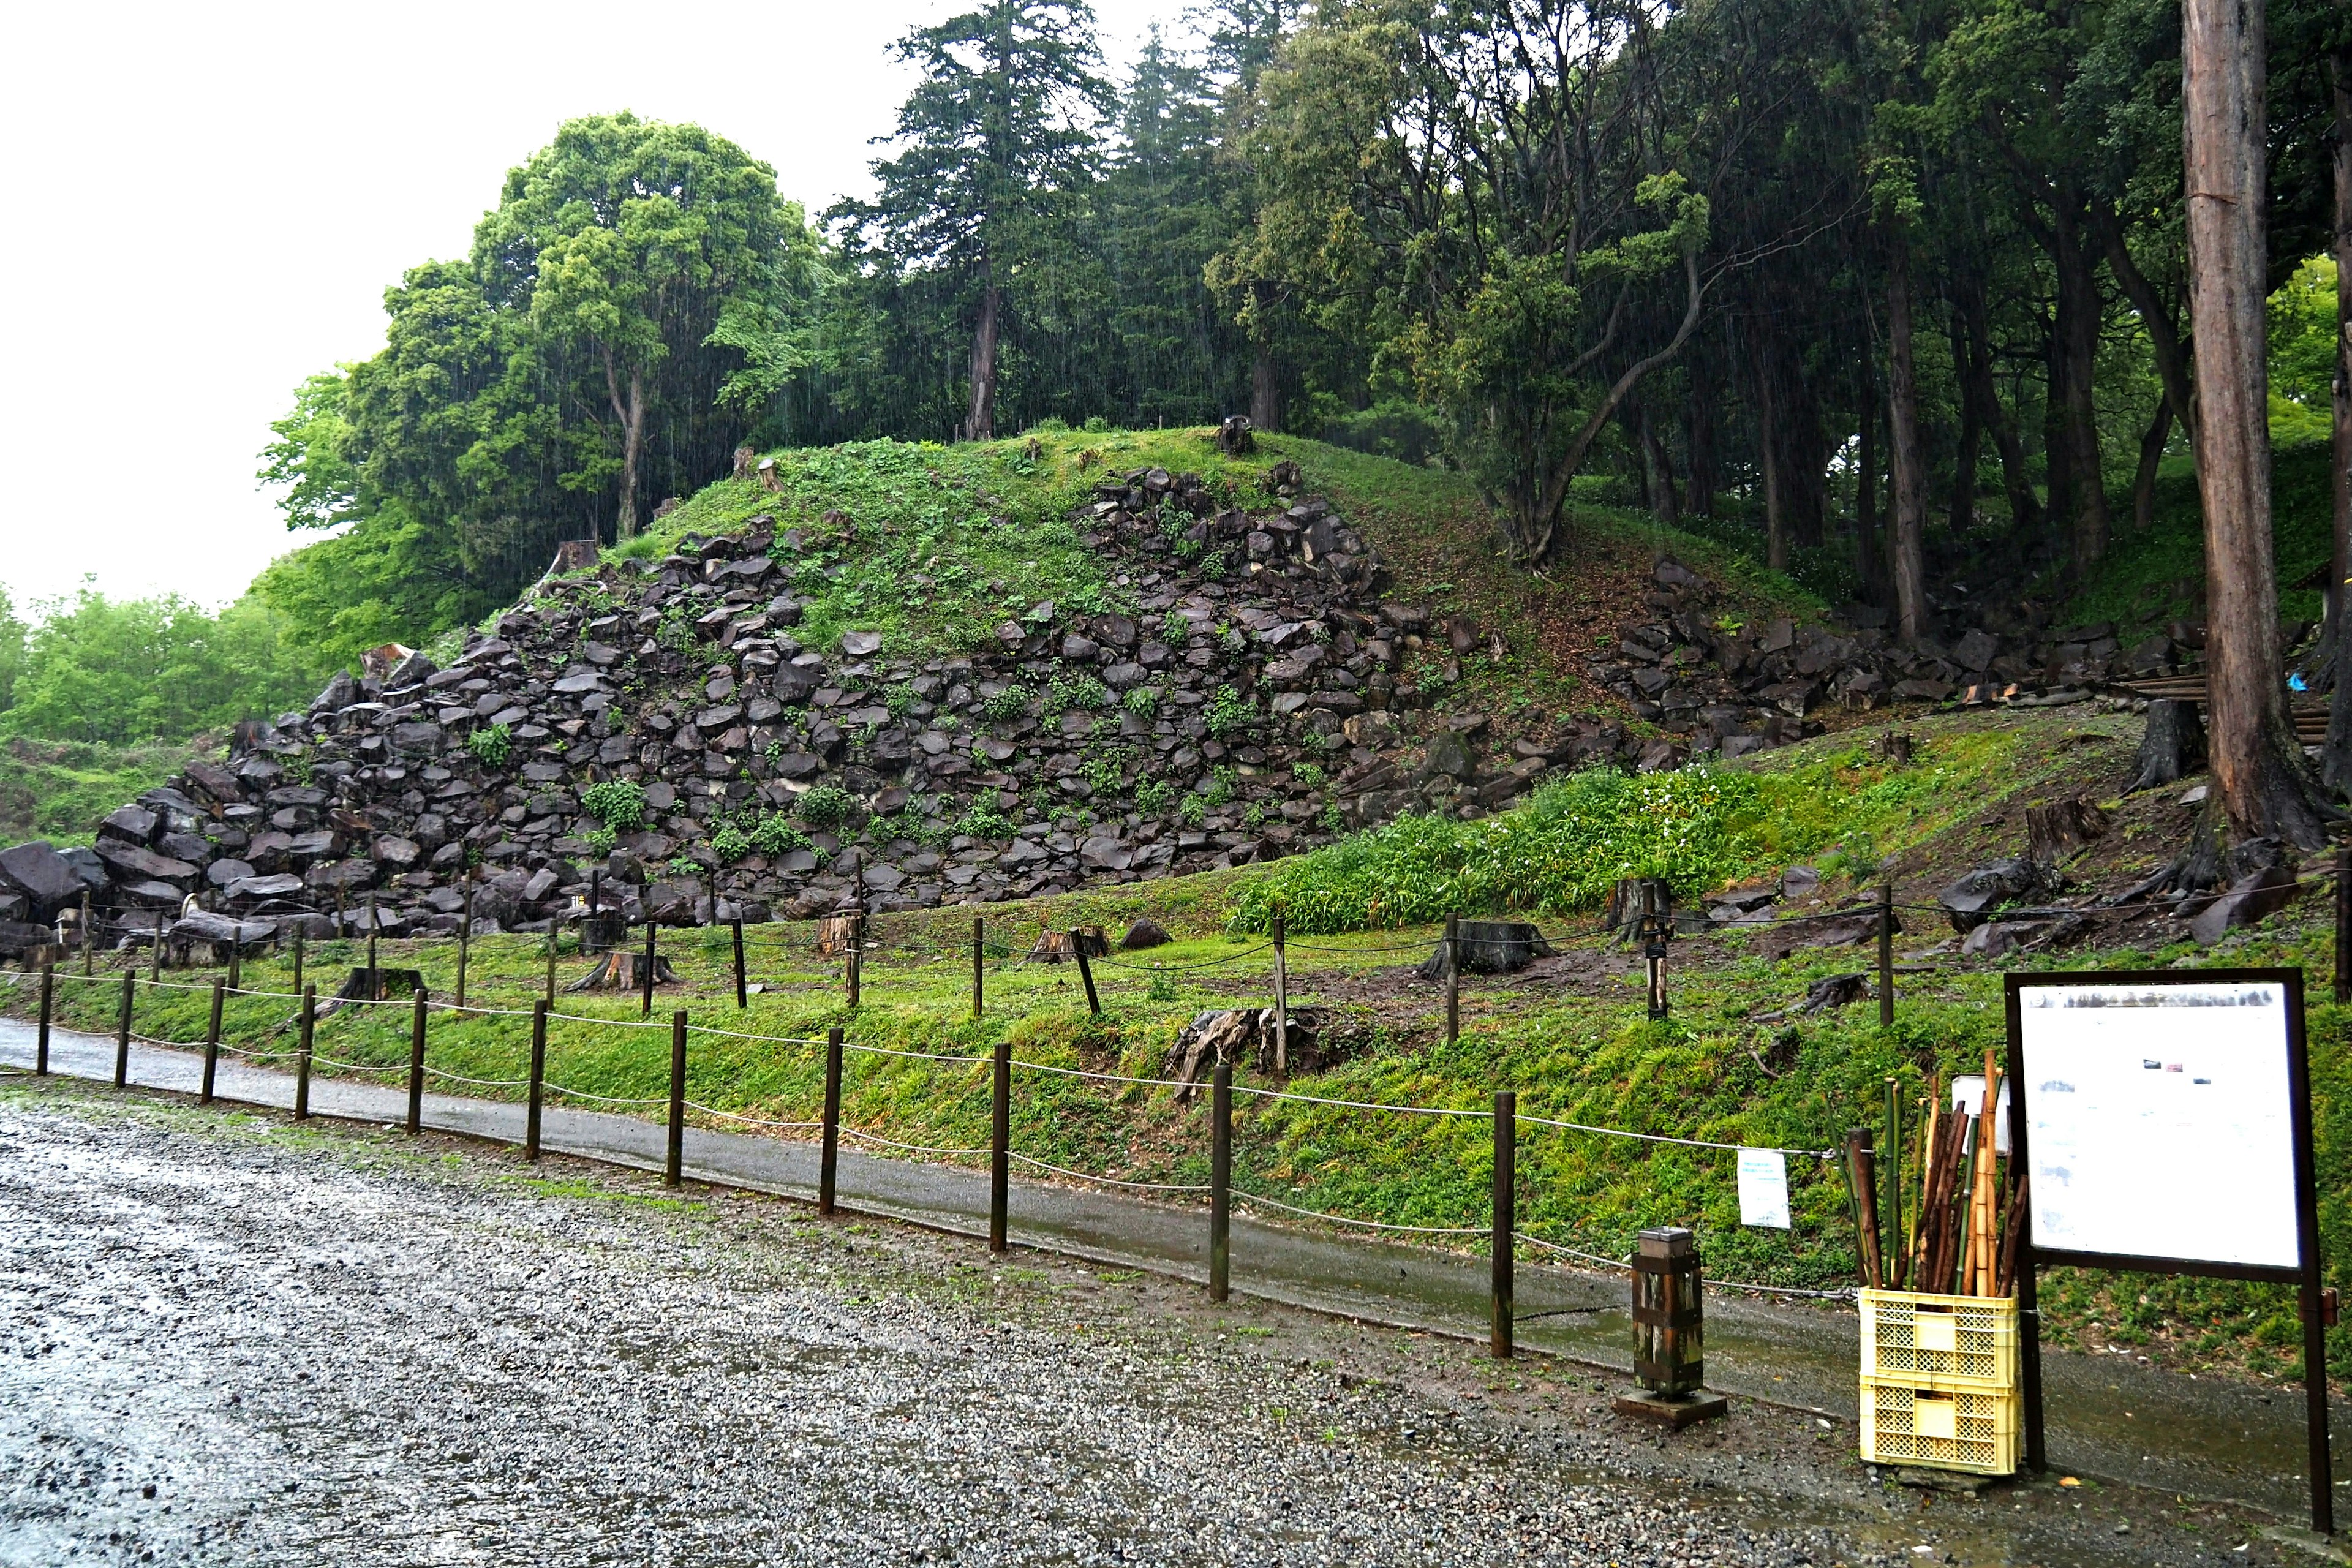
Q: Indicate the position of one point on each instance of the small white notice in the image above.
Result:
(1764, 1188)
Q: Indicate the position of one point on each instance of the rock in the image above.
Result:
(221, 931)
(1799, 882)
(1975, 650)
(1450, 756)
(1146, 932)
(223, 872)
(1971, 900)
(861, 645)
(18, 938)
(130, 825)
(1995, 938)
(283, 886)
(133, 862)
(46, 878)
(2251, 898)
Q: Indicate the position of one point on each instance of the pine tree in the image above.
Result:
(998, 138)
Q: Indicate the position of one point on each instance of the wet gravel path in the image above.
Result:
(227, 1340)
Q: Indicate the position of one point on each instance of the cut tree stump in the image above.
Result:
(373, 986)
(604, 932)
(1063, 946)
(834, 935)
(1490, 947)
(620, 971)
(2053, 833)
(2172, 747)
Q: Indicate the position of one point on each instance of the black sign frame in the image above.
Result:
(2306, 1274)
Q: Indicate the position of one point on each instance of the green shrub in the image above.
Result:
(603, 840)
(618, 803)
(1082, 692)
(985, 822)
(775, 835)
(1142, 701)
(687, 867)
(1107, 770)
(1222, 783)
(827, 806)
(1154, 795)
(1162, 987)
(491, 746)
(1307, 775)
(1227, 714)
(1009, 703)
(1193, 811)
(1174, 628)
(1561, 852)
(730, 843)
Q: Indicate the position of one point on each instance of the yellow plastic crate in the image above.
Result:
(1948, 1428)
(1959, 1342)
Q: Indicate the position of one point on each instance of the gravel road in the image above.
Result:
(229, 1340)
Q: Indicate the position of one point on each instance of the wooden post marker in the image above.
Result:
(978, 998)
(538, 1079)
(854, 971)
(1000, 1146)
(1221, 1181)
(155, 957)
(212, 1041)
(49, 1002)
(373, 981)
(465, 941)
(1886, 955)
(1453, 978)
(1281, 1001)
(547, 989)
(646, 980)
(829, 1153)
(89, 941)
(1085, 973)
(236, 966)
(297, 958)
(1504, 1216)
(416, 1066)
(302, 1053)
(742, 992)
(122, 1031)
(673, 1171)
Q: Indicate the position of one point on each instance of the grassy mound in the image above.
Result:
(57, 790)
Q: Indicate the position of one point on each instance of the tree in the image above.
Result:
(310, 459)
(1245, 36)
(2264, 789)
(998, 138)
(628, 243)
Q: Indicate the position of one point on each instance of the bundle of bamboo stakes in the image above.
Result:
(1961, 1237)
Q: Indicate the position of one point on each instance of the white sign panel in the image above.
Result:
(2159, 1121)
(1764, 1188)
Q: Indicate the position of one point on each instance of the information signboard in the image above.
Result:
(2162, 1122)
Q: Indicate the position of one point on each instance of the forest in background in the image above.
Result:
(1878, 293)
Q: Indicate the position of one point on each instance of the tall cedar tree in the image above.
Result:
(999, 143)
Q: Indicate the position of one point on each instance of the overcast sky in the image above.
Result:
(211, 201)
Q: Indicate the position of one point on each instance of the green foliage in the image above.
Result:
(618, 803)
(1562, 851)
(1154, 795)
(310, 461)
(1193, 811)
(686, 867)
(1001, 707)
(1142, 701)
(120, 672)
(1174, 630)
(1307, 775)
(1107, 770)
(1228, 714)
(1222, 783)
(601, 841)
(1073, 690)
(2302, 312)
(58, 789)
(986, 822)
(1160, 989)
(729, 843)
(826, 806)
(776, 836)
(491, 745)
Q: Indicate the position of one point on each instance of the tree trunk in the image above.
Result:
(1767, 442)
(1909, 521)
(1265, 386)
(1661, 465)
(1971, 441)
(629, 408)
(2262, 786)
(2156, 314)
(2151, 454)
(982, 426)
(1870, 556)
(1698, 440)
(1976, 369)
(2074, 362)
(2337, 764)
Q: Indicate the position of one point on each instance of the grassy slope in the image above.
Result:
(1581, 1051)
(57, 790)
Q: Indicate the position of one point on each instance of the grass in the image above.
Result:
(57, 790)
(1583, 1051)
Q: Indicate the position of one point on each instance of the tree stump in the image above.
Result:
(2052, 833)
(604, 932)
(1634, 897)
(834, 935)
(1233, 437)
(1490, 947)
(620, 971)
(2172, 747)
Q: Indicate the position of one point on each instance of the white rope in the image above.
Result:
(1684, 1142)
(1107, 1077)
(750, 1120)
(1107, 1181)
(1570, 1251)
(1362, 1105)
(550, 1087)
(915, 1055)
(1367, 1224)
(739, 1035)
(482, 1082)
(910, 1148)
(615, 1023)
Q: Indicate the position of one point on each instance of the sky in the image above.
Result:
(224, 191)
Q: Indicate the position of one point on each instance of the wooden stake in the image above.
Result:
(1221, 1181)
(674, 1169)
(979, 997)
(1281, 1002)
(1453, 978)
(742, 992)
(829, 1155)
(49, 1002)
(538, 1091)
(122, 1032)
(302, 1053)
(1504, 1215)
(999, 1151)
(416, 1066)
(212, 1042)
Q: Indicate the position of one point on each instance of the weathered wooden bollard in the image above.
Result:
(978, 998)
(49, 1002)
(742, 992)
(854, 966)
(1281, 1001)
(646, 978)
(1085, 973)
(122, 1031)
(465, 942)
(416, 1065)
(212, 1040)
(1506, 1216)
(1669, 1335)
(1000, 1146)
(1221, 1182)
(302, 1053)
(829, 1154)
(538, 1092)
(674, 1170)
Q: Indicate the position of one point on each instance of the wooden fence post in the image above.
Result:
(297, 955)
(1281, 1001)
(646, 981)
(1506, 1214)
(1221, 1181)
(465, 941)
(89, 941)
(829, 1155)
(978, 1000)
(1000, 1146)
(236, 966)
(49, 1002)
(854, 971)
(156, 956)
(212, 1041)
(376, 984)
(742, 993)
(1886, 955)
(416, 1066)
(674, 1173)
(547, 988)
(1453, 978)
(122, 1031)
(302, 1053)
(1085, 973)
(538, 1079)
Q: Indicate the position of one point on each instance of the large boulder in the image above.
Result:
(47, 878)
(1970, 901)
